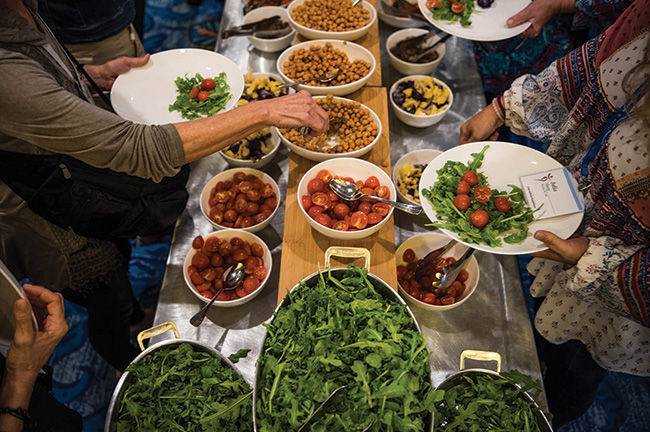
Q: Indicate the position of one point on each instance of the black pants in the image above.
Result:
(572, 377)
(111, 310)
(48, 414)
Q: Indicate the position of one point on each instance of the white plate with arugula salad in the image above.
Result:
(475, 22)
(145, 94)
(498, 166)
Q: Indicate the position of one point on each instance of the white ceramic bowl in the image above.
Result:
(228, 175)
(263, 161)
(351, 35)
(319, 157)
(269, 45)
(418, 120)
(358, 169)
(421, 157)
(424, 243)
(408, 68)
(353, 52)
(228, 235)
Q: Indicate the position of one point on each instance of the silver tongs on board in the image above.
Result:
(267, 28)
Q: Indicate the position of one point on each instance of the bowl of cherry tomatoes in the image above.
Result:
(241, 198)
(338, 218)
(210, 256)
(420, 292)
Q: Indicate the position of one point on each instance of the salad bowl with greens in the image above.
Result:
(494, 217)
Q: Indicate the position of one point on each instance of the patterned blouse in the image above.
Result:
(604, 300)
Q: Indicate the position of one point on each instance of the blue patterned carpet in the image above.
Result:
(85, 382)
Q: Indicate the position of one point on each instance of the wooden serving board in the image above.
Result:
(303, 248)
(371, 42)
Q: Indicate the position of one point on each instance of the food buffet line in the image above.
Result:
(494, 319)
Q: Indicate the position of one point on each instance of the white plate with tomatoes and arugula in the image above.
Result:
(178, 85)
(484, 20)
(472, 194)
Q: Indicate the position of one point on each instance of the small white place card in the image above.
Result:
(556, 189)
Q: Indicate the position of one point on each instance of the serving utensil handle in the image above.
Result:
(347, 252)
(155, 331)
(481, 356)
(408, 208)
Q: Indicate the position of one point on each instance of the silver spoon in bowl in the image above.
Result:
(231, 278)
(350, 191)
(328, 76)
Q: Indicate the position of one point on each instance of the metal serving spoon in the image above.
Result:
(325, 78)
(231, 278)
(452, 271)
(427, 51)
(350, 191)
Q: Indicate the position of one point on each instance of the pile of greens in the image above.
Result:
(514, 224)
(193, 108)
(177, 388)
(343, 332)
(485, 402)
(444, 12)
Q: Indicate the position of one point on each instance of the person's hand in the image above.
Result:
(296, 110)
(30, 349)
(483, 126)
(538, 13)
(567, 251)
(105, 75)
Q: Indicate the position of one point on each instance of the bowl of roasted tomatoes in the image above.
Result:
(419, 290)
(210, 256)
(342, 219)
(242, 198)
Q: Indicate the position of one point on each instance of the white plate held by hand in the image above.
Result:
(503, 164)
(143, 94)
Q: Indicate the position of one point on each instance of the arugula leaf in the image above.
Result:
(180, 388)
(342, 331)
(191, 109)
(242, 353)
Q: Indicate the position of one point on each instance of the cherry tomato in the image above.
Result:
(429, 298)
(457, 7)
(203, 96)
(401, 272)
(365, 207)
(482, 194)
(251, 284)
(216, 215)
(382, 192)
(239, 176)
(197, 243)
(194, 92)
(359, 184)
(253, 195)
(208, 84)
(259, 218)
(374, 218)
(271, 203)
(200, 261)
(260, 272)
(332, 196)
(224, 296)
(368, 191)
(252, 208)
(341, 225)
(321, 199)
(447, 300)
(382, 208)
(205, 288)
(359, 220)
(212, 244)
(462, 276)
(471, 178)
(306, 202)
(502, 204)
(372, 182)
(324, 175)
(324, 219)
(197, 279)
(315, 185)
(257, 249)
(267, 191)
(315, 211)
(463, 188)
(479, 218)
(239, 255)
(408, 255)
(209, 274)
(341, 210)
(241, 205)
(216, 260)
(462, 202)
(434, 4)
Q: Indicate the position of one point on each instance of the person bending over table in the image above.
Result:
(593, 109)
(23, 401)
(45, 108)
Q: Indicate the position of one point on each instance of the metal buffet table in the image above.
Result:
(495, 318)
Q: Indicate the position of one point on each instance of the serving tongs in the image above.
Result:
(267, 28)
(427, 267)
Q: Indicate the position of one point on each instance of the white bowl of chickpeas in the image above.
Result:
(242, 198)
(312, 59)
(408, 171)
(331, 19)
(421, 293)
(275, 44)
(430, 108)
(343, 139)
